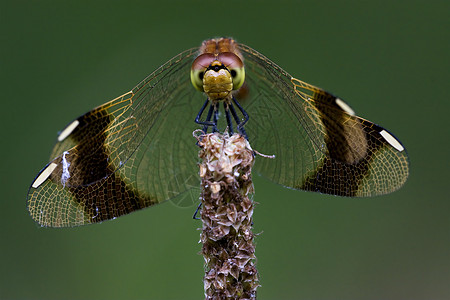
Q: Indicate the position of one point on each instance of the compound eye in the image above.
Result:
(236, 67)
(238, 77)
(198, 70)
(197, 79)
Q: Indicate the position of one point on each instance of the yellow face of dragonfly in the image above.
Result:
(218, 70)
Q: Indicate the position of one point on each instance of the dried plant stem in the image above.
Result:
(227, 236)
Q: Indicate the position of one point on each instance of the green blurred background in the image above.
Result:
(389, 60)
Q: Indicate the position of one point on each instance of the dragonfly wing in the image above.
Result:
(132, 152)
(318, 142)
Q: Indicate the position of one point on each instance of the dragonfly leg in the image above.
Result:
(227, 114)
(240, 123)
(244, 113)
(207, 122)
(216, 116)
(196, 212)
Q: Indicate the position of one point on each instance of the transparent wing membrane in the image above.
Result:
(137, 150)
(130, 153)
(318, 143)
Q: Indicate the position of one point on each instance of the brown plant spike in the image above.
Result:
(227, 236)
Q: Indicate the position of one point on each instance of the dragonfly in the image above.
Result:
(137, 150)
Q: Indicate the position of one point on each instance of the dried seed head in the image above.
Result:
(227, 212)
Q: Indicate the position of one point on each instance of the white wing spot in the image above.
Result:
(68, 130)
(345, 106)
(96, 213)
(44, 175)
(391, 140)
(65, 172)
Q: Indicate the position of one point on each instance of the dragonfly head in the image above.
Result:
(217, 74)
